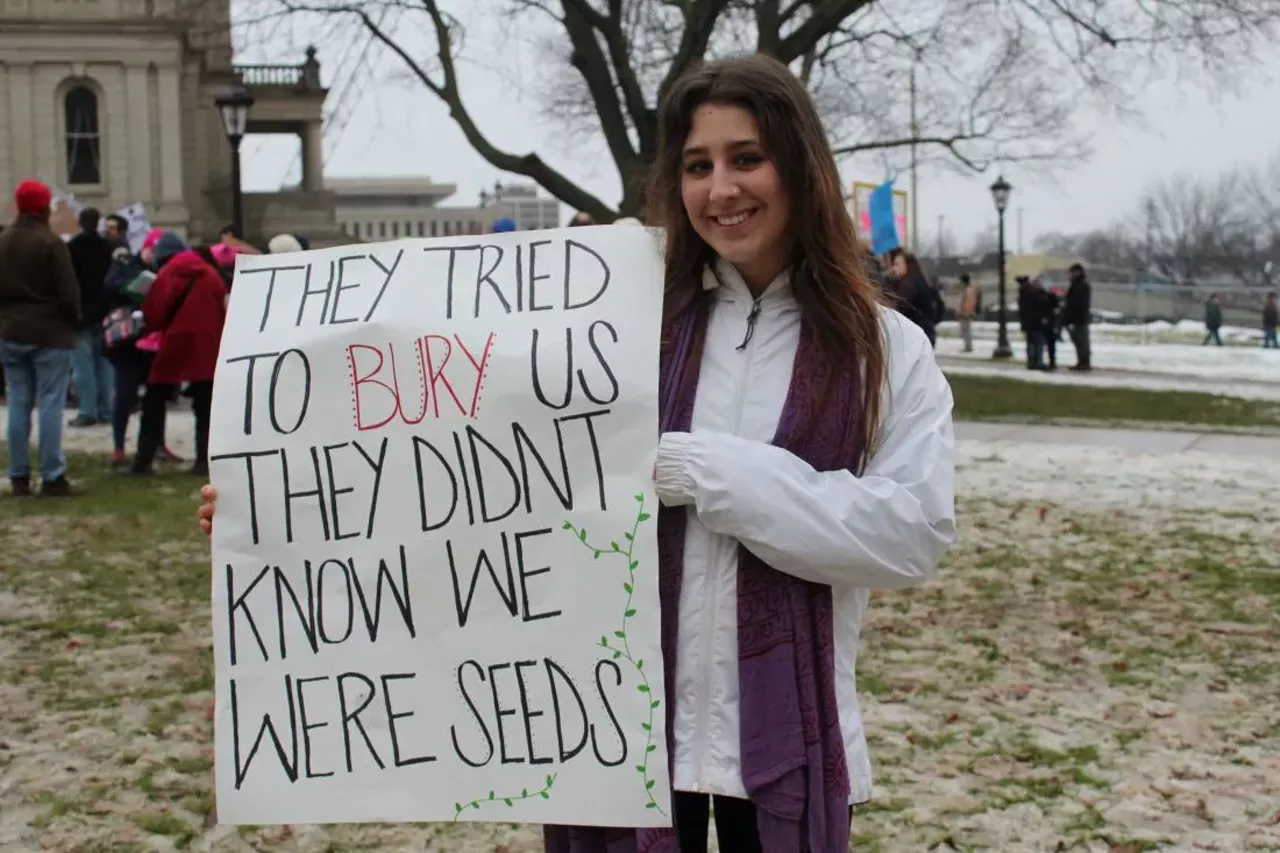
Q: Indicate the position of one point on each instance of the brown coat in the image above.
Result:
(39, 293)
(968, 302)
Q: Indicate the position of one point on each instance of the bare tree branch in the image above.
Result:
(529, 165)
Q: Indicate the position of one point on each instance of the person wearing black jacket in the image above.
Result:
(91, 257)
(911, 293)
(1077, 313)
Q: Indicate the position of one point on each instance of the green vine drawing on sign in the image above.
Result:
(543, 793)
(620, 646)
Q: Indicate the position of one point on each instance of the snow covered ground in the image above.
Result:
(1171, 351)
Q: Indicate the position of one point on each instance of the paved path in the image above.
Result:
(1137, 440)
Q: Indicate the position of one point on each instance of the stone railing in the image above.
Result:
(303, 76)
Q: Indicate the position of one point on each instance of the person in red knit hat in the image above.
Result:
(40, 318)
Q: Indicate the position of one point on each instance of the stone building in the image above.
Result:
(374, 209)
(113, 100)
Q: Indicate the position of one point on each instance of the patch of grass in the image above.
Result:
(163, 823)
(191, 765)
(55, 806)
(161, 716)
(1029, 789)
(991, 398)
(198, 804)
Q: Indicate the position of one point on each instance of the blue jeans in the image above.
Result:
(1269, 340)
(37, 378)
(94, 382)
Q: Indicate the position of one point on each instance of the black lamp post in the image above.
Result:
(234, 108)
(1000, 193)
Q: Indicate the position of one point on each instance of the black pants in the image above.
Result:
(735, 823)
(736, 828)
(1080, 338)
(155, 406)
(131, 367)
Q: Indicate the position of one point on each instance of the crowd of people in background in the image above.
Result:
(1042, 313)
(135, 330)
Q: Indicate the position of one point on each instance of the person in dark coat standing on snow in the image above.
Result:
(188, 304)
(1077, 313)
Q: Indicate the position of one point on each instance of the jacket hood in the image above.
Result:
(187, 262)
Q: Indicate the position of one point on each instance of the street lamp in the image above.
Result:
(1000, 194)
(234, 109)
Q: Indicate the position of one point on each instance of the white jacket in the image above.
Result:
(884, 530)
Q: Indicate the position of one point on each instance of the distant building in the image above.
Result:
(372, 209)
(522, 203)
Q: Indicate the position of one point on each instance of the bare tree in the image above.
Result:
(939, 244)
(986, 241)
(1262, 198)
(1193, 229)
(993, 80)
(1112, 247)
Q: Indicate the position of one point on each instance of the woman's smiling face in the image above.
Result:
(733, 195)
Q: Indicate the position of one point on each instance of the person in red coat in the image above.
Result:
(187, 307)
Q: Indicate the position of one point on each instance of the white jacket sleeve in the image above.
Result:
(886, 529)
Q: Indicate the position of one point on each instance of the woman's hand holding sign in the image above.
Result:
(209, 504)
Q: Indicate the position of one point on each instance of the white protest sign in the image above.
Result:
(139, 224)
(435, 579)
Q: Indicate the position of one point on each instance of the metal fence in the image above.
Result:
(1129, 302)
(1142, 305)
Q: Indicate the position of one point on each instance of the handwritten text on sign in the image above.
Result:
(435, 563)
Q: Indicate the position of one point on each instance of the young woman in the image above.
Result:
(806, 458)
(912, 293)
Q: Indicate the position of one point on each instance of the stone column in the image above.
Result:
(313, 157)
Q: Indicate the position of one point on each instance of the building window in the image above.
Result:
(84, 145)
(422, 228)
(435, 228)
(408, 229)
(395, 229)
(382, 230)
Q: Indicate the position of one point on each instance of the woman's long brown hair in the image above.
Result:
(841, 306)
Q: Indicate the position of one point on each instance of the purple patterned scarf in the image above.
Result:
(792, 749)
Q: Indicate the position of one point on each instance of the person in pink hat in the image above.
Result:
(148, 250)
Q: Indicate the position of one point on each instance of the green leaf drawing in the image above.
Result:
(525, 794)
(621, 648)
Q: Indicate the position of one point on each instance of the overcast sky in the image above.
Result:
(398, 128)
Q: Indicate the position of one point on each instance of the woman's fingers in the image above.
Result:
(209, 496)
